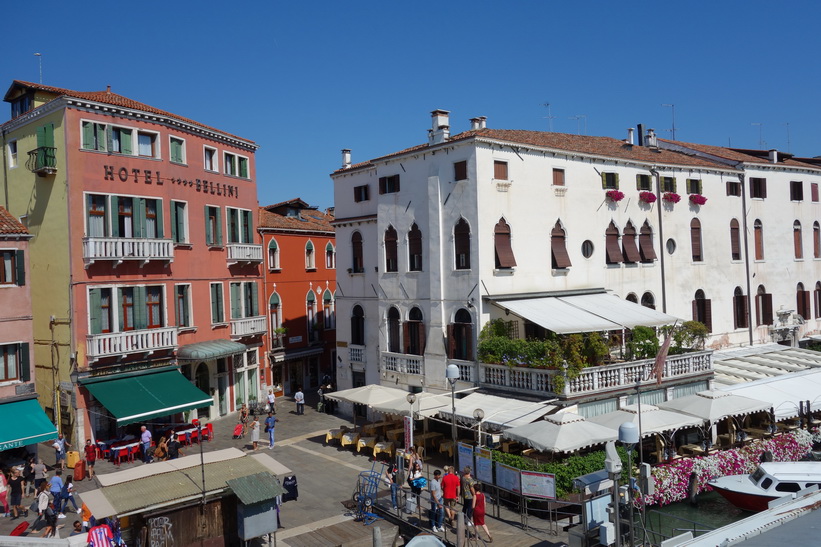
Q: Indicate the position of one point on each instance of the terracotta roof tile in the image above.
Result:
(108, 97)
(741, 155)
(309, 220)
(9, 224)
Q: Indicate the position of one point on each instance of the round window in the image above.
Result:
(671, 246)
(587, 248)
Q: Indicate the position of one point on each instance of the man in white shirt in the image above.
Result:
(299, 398)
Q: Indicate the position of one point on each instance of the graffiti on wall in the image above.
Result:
(160, 533)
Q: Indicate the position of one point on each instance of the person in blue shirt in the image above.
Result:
(56, 489)
(270, 423)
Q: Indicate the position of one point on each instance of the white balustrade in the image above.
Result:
(247, 326)
(126, 248)
(244, 252)
(356, 354)
(402, 362)
(133, 341)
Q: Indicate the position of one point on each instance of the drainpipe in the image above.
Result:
(741, 180)
(6, 172)
(661, 241)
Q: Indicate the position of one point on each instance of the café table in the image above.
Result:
(349, 437)
(123, 449)
(335, 433)
(395, 434)
(385, 447)
(365, 442)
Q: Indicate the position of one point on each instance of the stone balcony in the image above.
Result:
(119, 344)
(356, 354)
(403, 362)
(248, 326)
(121, 249)
(618, 377)
(244, 253)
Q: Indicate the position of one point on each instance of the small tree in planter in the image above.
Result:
(643, 343)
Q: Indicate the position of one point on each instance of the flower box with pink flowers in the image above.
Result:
(614, 195)
(647, 197)
(697, 199)
(671, 197)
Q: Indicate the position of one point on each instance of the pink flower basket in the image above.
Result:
(697, 199)
(671, 197)
(647, 197)
(614, 195)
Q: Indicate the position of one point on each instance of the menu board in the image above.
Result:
(508, 478)
(538, 485)
(484, 465)
(465, 456)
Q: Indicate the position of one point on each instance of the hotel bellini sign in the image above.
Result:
(147, 176)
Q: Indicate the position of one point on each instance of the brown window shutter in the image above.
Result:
(708, 314)
(796, 239)
(729, 188)
(500, 170)
(451, 341)
(745, 313)
(735, 241)
(814, 191)
(816, 242)
(469, 342)
(759, 318)
(504, 251)
(558, 177)
(422, 339)
(406, 336)
(460, 170)
(648, 254)
(695, 310)
(628, 243)
(767, 313)
(817, 296)
(759, 243)
(736, 312)
(558, 248)
(613, 252)
(807, 306)
(763, 188)
(382, 184)
(695, 240)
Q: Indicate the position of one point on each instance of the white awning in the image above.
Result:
(427, 404)
(713, 405)
(784, 392)
(653, 419)
(584, 313)
(502, 412)
(561, 432)
(368, 395)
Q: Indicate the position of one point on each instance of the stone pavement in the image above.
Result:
(326, 477)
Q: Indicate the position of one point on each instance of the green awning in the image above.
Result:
(23, 423)
(256, 488)
(202, 351)
(149, 395)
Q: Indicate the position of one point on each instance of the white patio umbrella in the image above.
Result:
(562, 432)
(653, 419)
(367, 395)
(714, 405)
(426, 404)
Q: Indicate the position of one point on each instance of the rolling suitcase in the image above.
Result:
(72, 457)
(80, 470)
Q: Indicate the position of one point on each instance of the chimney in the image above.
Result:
(108, 89)
(630, 136)
(440, 131)
(482, 122)
(651, 138)
(774, 155)
(346, 158)
(640, 131)
(474, 124)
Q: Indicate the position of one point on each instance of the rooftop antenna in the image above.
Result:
(40, 62)
(673, 130)
(788, 138)
(549, 117)
(760, 134)
(578, 119)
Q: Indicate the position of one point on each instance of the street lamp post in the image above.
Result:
(629, 436)
(479, 415)
(452, 375)
(411, 398)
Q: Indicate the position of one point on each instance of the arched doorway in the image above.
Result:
(203, 382)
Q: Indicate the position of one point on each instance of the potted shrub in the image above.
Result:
(614, 195)
(697, 199)
(647, 197)
(671, 197)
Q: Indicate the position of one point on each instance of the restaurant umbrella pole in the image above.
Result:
(202, 468)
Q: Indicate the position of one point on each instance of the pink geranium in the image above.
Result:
(698, 199)
(671, 197)
(614, 195)
(647, 197)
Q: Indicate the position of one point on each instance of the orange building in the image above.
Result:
(300, 291)
(147, 260)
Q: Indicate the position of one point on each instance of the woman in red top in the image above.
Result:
(479, 510)
(91, 457)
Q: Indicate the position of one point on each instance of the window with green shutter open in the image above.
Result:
(177, 150)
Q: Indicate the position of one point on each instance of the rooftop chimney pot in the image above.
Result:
(630, 136)
(440, 126)
(346, 158)
(774, 155)
(474, 124)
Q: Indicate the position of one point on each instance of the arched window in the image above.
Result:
(391, 250)
(502, 246)
(310, 257)
(613, 251)
(797, 240)
(460, 336)
(558, 247)
(275, 313)
(357, 326)
(631, 297)
(648, 300)
(763, 307)
(461, 244)
(817, 298)
(415, 249)
(356, 249)
(740, 309)
(273, 255)
(695, 241)
(702, 310)
(648, 254)
(330, 256)
(415, 333)
(816, 240)
(735, 240)
(802, 302)
(628, 243)
(328, 310)
(394, 344)
(758, 236)
(310, 310)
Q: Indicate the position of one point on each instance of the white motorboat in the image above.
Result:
(771, 480)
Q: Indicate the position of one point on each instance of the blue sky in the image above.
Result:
(306, 79)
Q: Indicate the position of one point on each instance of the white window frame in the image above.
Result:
(13, 265)
(13, 156)
(330, 260)
(310, 257)
(215, 167)
(187, 239)
(184, 149)
(190, 302)
(105, 134)
(211, 304)
(240, 216)
(16, 380)
(156, 144)
(236, 157)
(275, 266)
(109, 138)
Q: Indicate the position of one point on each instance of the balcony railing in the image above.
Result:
(597, 379)
(42, 160)
(133, 341)
(248, 326)
(277, 342)
(244, 252)
(356, 354)
(120, 249)
(402, 362)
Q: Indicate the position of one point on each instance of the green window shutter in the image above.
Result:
(674, 184)
(219, 226)
(617, 181)
(23, 360)
(220, 304)
(174, 221)
(160, 220)
(88, 136)
(120, 308)
(236, 301)
(125, 142)
(107, 205)
(45, 135)
(20, 264)
(214, 308)
(243, 167)
(254, 299)
(174, 147)
(94, 310)
(248, 225)
(209, 235)
(138, 217)
(182, 235)
(604, 180)
(699, 186)
(140, 309)
(115, 212)
(186, 304)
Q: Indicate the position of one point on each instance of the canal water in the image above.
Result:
(711, 511)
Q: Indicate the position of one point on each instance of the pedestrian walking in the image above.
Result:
(243, 418)
(468, 483)
(91, 457)
(55, 486)
(45, 512)
(174, 445)
(39, 470)
(450, 492)
(60, 451)
(270, 424)
(479, 510)
(254, 431)
(299, 398)
(28, 477)
(437, 505)
(16, 494)
(272, 401)
(67, 495)
(391, 478)
(145, 443)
